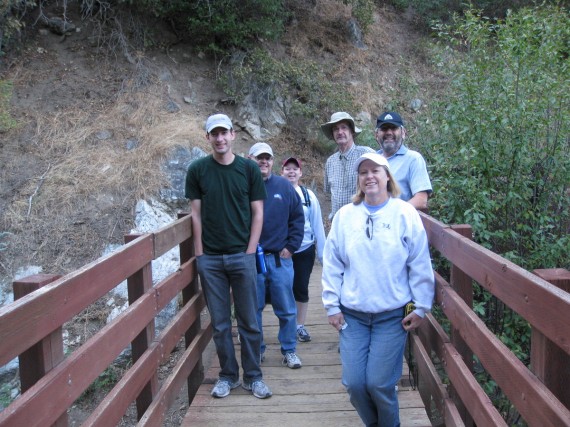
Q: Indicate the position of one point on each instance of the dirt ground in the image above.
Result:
(68, 184)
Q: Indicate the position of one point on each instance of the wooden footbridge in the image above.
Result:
(443, 359)
(310, 396)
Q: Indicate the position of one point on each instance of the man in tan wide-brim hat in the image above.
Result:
(340, 178)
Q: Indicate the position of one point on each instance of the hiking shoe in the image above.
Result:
(258, 388)
(292, 360)
(223, 388)
(303, 335)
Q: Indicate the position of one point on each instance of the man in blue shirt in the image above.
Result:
(408, 166)
(281, 236)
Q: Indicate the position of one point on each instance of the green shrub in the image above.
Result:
(221, 25)
(429, 11)
(264, 78)
(497, 145)
(7, 122)
(363, 12)
(12, 13)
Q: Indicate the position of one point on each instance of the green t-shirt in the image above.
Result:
(226, 192)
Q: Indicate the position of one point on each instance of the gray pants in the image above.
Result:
(219, 274)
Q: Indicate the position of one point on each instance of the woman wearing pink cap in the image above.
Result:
(313, 244)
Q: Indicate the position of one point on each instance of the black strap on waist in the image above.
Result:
(276, 256)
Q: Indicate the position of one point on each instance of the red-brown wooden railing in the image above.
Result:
(31, 329)
(540, 395)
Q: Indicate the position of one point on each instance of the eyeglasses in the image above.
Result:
(369, 227)
(265, 157)
(386, 128)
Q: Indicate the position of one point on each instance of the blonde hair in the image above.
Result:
(392, 186)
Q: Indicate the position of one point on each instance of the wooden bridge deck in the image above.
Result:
(310, 396)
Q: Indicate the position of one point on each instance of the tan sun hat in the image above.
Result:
(338, 117)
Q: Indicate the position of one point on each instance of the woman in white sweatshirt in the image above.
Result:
(376, 260)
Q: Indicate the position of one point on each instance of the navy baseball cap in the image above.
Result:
(389, 117)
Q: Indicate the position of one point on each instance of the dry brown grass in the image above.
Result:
(87, 185)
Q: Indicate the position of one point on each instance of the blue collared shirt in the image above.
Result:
(410, 170)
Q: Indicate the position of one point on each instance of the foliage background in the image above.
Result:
(497, 142)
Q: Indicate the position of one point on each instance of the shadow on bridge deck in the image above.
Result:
(310, 396)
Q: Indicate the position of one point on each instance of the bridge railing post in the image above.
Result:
(548, 361)
(42, 357)
(197, 375)
(463, 285)
(137, 285)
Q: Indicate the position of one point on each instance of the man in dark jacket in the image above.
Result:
(281, 236)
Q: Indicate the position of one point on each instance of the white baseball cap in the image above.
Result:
(379, 159)
(260, 148)
(218, 121)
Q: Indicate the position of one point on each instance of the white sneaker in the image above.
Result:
(258, 388)
(223, 388)
(292, 360)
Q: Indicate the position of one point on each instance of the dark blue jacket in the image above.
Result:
(283, 217)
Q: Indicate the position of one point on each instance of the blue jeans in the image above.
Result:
(279, 281)
(219, 274)
(371, 351)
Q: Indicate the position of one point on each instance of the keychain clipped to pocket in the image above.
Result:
(408, 308)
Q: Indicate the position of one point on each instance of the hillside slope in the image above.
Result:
(94, 129)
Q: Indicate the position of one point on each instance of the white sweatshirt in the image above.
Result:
(314, 232)
(384, 272)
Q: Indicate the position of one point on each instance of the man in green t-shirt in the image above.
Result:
(226, 195)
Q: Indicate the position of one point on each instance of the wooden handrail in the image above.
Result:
(31, 318)
(539, 302)
(42, 313)
(38, 314)
(524, 292)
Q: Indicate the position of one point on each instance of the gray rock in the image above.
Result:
(172, 107)
(416, 104)
(262, 123)
(60, 26)
(356, 34)
(165, 76)
(175, 168)
(103, 135)
(132, 143)
(363, 118)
